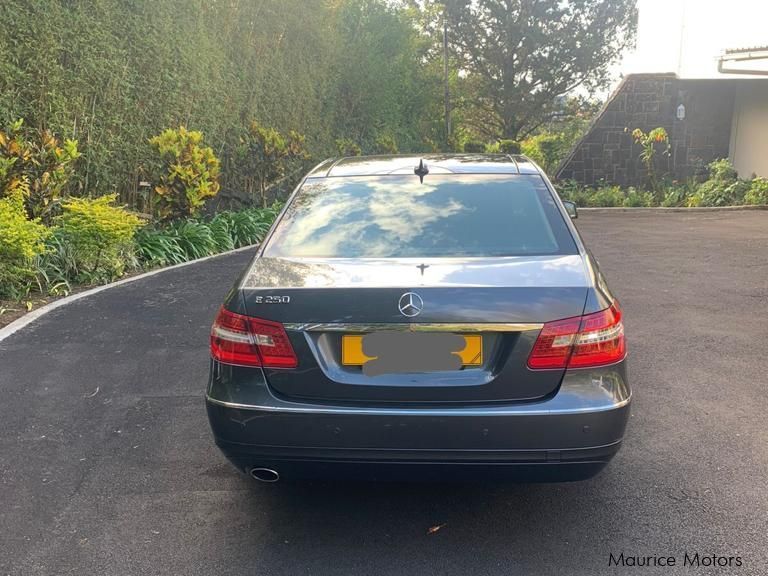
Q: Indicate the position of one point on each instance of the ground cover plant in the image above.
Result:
(722, 187)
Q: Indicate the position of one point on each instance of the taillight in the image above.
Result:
(592, 340)
(246, 341)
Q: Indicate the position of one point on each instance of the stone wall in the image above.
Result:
(607, 153)
(705, 132)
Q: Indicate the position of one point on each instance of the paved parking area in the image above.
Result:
(107, 465)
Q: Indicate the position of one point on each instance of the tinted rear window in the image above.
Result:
(398, 217)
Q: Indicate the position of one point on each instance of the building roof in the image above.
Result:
(747, 50)
(436, 163)
(743, 55)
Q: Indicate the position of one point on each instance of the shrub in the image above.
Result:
(250, 226)
(722, 170)
(189, 239)
(194, 238)
(573, 191)
(545, 149)
(715, 194)
(509, 147)
(635, 199)
(264, 155)
(474, 147)
(156, 247)
(385, 144)
(21, 241)
(758, 192)
(39, 165)
(56, 268)
(723, 188)
(221, 232)
(551, 147)
(347, 147)
(679, 194)
(606, 196)
(99, 234)
(190, 174)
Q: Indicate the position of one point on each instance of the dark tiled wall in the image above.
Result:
(608, 154)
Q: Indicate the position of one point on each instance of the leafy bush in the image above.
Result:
(264, 155)
(250, 226)
(190, 174)
(347, 147)
(156, 247)
(545, 149)
(385, 144)
(509, 147)
(39, 165)
(573, 191)
(552, 150)
(635, 199)
(723, 188)
(221, 232)
(99, 234)
(722, 170)
(758, 192)
(606, 196)
(58, 267)
(474, 147)
(678, 195)
(176, 243)
(194, 238)
(21, 241)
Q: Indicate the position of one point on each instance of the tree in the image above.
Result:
(382, 86)
(521, 56)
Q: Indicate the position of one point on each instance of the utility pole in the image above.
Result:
(445, 77)
(680, 49)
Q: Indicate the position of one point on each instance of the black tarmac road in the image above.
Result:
(107, 464)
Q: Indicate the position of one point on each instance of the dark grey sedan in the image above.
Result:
(431, 317)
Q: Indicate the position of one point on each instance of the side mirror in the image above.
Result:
(570, 207)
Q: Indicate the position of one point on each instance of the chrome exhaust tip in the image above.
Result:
(265, 474)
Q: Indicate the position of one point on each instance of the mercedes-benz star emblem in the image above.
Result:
(410, 304)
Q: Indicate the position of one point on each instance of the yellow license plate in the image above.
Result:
(352, 350)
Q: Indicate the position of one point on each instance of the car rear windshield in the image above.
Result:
(469, 215)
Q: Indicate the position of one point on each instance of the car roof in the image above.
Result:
(436, 163)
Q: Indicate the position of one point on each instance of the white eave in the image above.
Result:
(743, 55)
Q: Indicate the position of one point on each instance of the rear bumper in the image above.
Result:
(569, 436)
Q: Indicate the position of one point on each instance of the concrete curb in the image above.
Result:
(657, 209)
(30, 317)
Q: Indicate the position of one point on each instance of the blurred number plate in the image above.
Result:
(352, 350)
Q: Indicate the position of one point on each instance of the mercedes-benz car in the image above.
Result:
(434, 318)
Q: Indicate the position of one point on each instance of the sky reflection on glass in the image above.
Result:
(397, 216)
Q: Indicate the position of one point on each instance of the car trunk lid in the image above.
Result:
(503, 301)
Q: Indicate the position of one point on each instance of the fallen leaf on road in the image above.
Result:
(434, 529)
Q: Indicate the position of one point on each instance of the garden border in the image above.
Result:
(672, 208)
(33, 315)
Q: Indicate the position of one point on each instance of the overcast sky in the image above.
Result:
(687, 36)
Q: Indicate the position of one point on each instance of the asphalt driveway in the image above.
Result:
(107, 465)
